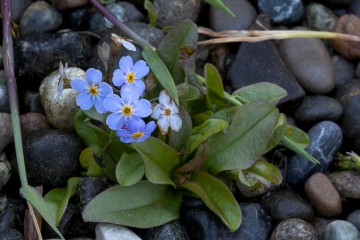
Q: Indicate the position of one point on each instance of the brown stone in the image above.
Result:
(323, 195)
(67, 4)
(347, 24)
(32, 122)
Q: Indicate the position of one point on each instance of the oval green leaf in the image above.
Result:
(130, 169)
(214, 87)
(220, 5)
(88, 162)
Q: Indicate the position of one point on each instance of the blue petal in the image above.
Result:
(115, 121)
(149, 128)
(140, 69)
(105, 89)
(137, 125)
(142, 108)
(126, 64)
(99, 106)
(118, 78)
(84, 101)
(93, 76)
(128, 96)
(113, 103)
(127, 140)
(123, 133)
(79, 85)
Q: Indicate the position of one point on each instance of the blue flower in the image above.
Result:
(126, 109)
(129, 75)
(137, 132)
(92, 90)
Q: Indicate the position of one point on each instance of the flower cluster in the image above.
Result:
(127, 109)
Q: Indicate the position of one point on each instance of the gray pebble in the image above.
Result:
(106, 231)
(344, 70)
(294, 229)
(11, 234)
(18, 8)
(354, 218)
(282, 11)
(340, 230)
(347, 183)
(320, 17)
(6, 130)
(173, 230)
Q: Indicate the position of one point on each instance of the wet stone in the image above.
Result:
(184, 9)
(320, 17)
(354, 218)
(344, 70)
(318, 108)
(347, 183)
(287, 204)
(323, 195)
(325, 140)
(340, 230)
(32, 122)
(310, 63)
(6, 130)
(282, 11)
(244, 12)
(295, 229)
(11, 234)
(52, 164)
(106, 231)
(88, 188)
(4, 98)
(5, 171)
(173, 230)
(40, 17)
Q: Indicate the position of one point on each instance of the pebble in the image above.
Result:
(323, 195)
(68, 4)
(106, 231)
(6, 130)
(18, 8)
(310, 63)
(88, 188)
(5, 171)
(347, 183)
(4, 98)
(344, 70)
(349, 96)
(282, 11)
(354, 8)
(52, 164)
(244, 12)
(294, 229)
(173, 230)
(325, 140)
(32, 102)
(132, 13)
(357, 71)
(76, 18)
(263, 55)
(287, 204)
(3, 203)
(40, 17)
(320, 17)
(46, 50)
(185, 10)
(60, 114)
(354, 218)
(7, 219)
(320, 224)
(32, 122)
(347, 24)
(340, 230)
(11, 234)
(318, 108)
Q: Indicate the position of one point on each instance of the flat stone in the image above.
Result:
(347, 183)
(282, 11)
(323, 195)
(106, 231)
(340, 230)
(294, 229)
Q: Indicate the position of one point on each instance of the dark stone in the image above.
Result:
(344, 70)
(32, 102)
(46, 50)
(4, 98)
(18, 7)
(173, 230)
(260, 62)
(354, 8)
(133, 14)
(52, 156)
(32, 122)
(7, 219)
(325, 140)
(11, 234)
(295, 229)
(282, 11)
(3, 203)
(357, 71)
(203, 224)
(76, 18)
(354, 218)
(88, 188)
(315, 109)
(287, 204)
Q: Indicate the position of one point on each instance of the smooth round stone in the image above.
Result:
(344, 70)
(318, 108)
(52, 156)
(173, 230)
(5, 170)
(32, 122)
(310, 63)
(347, 24)
(67, 4)
(354, 218)
(4, 98)
(244, 12)
(320, 17)
(184, 9)
(106, 231)
(294, 229)
(11, 234)
(282, 11)
(60, 114)
(88, 188)
(32, 102)
(340, 230)
(40, 17)
(323, 195)
(287, 204)
(6, 130)
(347, 183)
(325, 141)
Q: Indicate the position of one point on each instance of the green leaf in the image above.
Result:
(187, 92)
(219, 4)
(33, 196)
(177, 47)
(159, 160)
(216, 196)
(266, 170)
(153, 13)
(160, 71)
(142, 205)
(245, 139)
(130, 169)
(214, 87)
(92, 113)
(263, 91)
(58, 198)
(278, 133)
(225, 114)
(201, 133)
(178, 140)
(88, 162)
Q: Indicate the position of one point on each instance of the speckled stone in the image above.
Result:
(340, 230)
(347, 183)
(88, 188)
(6, 130)
(294, 229)
(320, 17)
(60, 114)
(32, 122)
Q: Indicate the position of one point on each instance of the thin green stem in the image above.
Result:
(11, 83)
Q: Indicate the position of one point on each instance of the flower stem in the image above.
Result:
(11, 83)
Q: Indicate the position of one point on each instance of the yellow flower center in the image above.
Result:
(130, 77)
(137, 135)
(126, 110)
(167, 111)
(93, 90)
